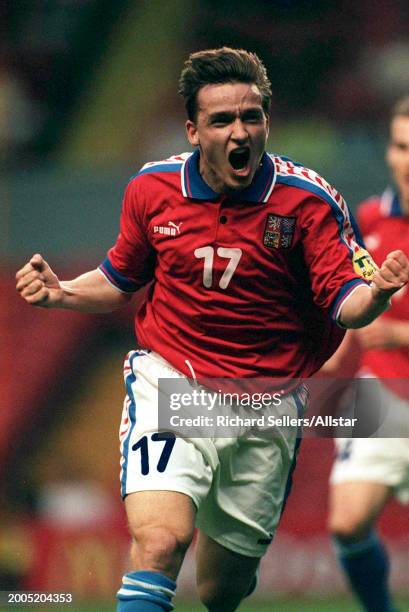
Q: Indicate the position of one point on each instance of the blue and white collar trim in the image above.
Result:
(193, 185)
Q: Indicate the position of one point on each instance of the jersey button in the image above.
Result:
(223, 219)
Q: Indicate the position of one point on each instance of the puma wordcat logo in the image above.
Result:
(173, 229)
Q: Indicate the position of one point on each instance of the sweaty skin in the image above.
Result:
(230, 116)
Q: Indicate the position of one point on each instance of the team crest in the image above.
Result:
(363, 263)
(279, 232)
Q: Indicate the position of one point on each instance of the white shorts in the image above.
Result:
(380, 460)
(238, 485)
(377, 459)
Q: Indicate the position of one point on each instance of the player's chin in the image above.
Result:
(237, 184)
(240, 179)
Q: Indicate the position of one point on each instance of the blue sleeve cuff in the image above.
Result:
(343, 294)
(119, 281)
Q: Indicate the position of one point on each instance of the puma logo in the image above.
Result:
(177, 227)
(173, 229)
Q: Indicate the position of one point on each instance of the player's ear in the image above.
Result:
(192, 134)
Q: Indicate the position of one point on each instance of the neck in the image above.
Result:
(209, 177)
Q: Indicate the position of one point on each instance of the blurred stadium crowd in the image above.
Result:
(88, 94)
(339, 62)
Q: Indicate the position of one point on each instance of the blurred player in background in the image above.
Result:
(368, 471)
(252, 262)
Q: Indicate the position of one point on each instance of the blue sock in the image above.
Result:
(145, 591)
(366, 564)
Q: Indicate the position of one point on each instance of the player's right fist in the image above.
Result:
(38, 284)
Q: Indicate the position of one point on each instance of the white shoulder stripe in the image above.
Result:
(287, 168)
(173, 160)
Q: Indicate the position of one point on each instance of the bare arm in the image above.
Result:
(90, 292)
(367, 303)
(385, 334)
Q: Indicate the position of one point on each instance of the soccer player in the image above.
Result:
(253, 260)
(369, 471)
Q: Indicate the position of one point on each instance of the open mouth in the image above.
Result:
(239, 158)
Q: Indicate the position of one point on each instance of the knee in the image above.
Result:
(159, 548)
(348, 526)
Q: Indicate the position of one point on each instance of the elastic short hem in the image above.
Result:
(172, 488)
(234, 547)
(400, 492)
(364, 476)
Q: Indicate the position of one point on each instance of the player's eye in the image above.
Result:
(221, 119)
(253, 117)
(402, 146)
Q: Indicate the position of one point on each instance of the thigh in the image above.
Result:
(355, 506)
(162, 526)
(169, 509)
(249, 490)
(223, 575)
(384, 461)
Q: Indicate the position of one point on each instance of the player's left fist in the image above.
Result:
(392, 275)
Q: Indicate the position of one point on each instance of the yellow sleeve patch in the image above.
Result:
(363, 264)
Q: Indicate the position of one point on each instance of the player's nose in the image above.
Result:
(239, 132)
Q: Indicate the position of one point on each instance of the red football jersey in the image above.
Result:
(385, 229)
(244, 285)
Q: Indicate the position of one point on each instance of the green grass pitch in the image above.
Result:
(343, 604)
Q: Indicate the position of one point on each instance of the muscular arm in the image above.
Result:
(90, 292)
(365, 304)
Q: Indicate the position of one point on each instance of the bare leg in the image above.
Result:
(354, 509)
(223, 576)
(355, 506)
(162, 525)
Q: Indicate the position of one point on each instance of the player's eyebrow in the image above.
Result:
(227, 116)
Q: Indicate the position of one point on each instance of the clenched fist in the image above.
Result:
(392, 275)
(38, 284)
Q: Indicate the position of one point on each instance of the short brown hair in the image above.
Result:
(224, 65)
(400, 108)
